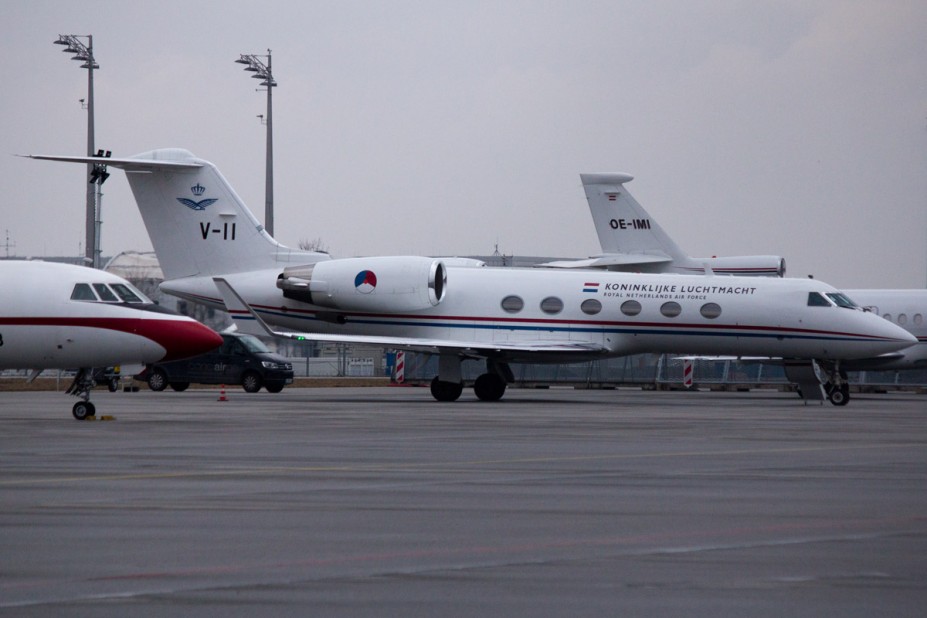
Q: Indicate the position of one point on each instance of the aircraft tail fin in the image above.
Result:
(631, 237)
(623, 226)
(197, 223)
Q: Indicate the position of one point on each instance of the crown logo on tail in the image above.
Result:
(197, 190)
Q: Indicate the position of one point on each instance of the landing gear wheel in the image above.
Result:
(445, 391)
(840, 396)
(83, 409)
(251, 382)
(489, 387)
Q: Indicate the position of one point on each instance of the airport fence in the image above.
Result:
(645, 370)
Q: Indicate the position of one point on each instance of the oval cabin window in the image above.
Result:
(591, 306)
(551, 305)
(630, 307)
(671, 309)
(512, 304)
(710, 310)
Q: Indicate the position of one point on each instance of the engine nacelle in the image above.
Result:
(748, 265)
(376, 285)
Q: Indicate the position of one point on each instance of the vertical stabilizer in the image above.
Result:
(623, 226)
(631, 238)
(197, 223)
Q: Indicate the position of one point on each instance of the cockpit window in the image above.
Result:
(816, 300)
(82, 291)
(112, 293)
(126, 293)
(106, 294)
(842, 300)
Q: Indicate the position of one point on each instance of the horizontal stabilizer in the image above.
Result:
(132, 164)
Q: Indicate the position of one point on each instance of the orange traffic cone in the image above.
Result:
(222, 396)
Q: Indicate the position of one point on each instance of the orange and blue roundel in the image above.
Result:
(365, 281)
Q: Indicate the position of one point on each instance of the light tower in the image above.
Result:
(254, 64)
(84, 53)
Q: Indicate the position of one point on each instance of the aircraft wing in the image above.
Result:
(875, 363)
(849, 365)
(248, 321)
(606, 261)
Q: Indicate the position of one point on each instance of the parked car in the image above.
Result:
(241, 359)
(108, 377)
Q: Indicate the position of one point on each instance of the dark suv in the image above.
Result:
(242, 359)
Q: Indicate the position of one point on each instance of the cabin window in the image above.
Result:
(591, 306)
(918, 319)
(902, 318)
(816, 300)
(842, 300)
(512, 304)
(551, 305)
(83, 291)
(630, 307)
(887, 316)
(106, 294)
(671, 309)
(710, 310)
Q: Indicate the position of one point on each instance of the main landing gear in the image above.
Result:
(489, 386)
(445, 391)
(80, 387)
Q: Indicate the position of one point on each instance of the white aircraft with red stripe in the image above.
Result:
(61, 316)
(201, 231)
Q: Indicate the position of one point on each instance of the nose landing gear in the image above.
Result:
(80, 387)
(835, 385)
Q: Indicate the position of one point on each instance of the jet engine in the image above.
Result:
(374, 285)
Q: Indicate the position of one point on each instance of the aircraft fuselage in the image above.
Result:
(616, 312)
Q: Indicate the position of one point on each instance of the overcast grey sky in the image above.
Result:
(791, 127)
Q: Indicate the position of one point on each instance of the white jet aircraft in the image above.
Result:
(201, 230)
(626, 229)
(59, 316)
(632, 240)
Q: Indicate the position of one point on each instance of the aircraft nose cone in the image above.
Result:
(910, 338)
(895, 334)
(185, 338)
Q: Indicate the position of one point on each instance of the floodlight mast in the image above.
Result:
(84, 53)
(254, 64)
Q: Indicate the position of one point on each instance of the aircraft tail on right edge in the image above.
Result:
(632, 240)
(621, 222)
